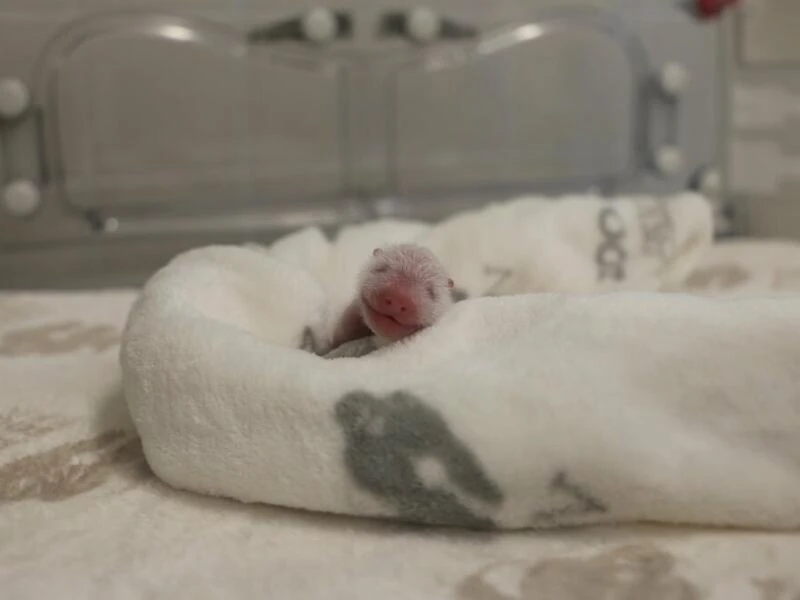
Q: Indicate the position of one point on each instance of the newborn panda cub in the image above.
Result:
(402, 289)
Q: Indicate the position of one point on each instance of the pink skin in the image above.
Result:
(401, 290)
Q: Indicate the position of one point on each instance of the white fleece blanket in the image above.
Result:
(531, 410)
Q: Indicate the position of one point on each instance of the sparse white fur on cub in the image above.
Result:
(402, 289)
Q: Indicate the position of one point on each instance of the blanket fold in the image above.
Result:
(520, 410)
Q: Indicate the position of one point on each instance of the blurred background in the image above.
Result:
(130, 131)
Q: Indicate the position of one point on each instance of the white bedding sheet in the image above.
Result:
(81, 516)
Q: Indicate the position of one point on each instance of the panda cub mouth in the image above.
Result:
(387, 324)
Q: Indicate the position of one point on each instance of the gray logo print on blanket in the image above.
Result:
(388, 442)
(611, 256)
(502, 275)
(658, 228)
(580, 502)
(658, 237)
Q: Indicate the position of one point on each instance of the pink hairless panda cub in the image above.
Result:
(401, 290)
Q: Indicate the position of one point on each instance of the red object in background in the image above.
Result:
(712, 8)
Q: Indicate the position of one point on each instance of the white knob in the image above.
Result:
(14, 98)
(669, 160)
(674, 78)
(21, 198)
(385, 206)
(111, 225)
(319, 25)
(423, 24)
(710, 183)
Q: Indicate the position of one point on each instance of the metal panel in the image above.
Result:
(169, 121)
(770, 33)
(183, 122)
(538, 101)
(151, 109)
(765, 125)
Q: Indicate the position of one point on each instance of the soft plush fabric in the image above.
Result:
(82, 517)
(527, 245)
(529, 410)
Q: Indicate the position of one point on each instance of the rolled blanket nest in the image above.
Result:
(573, 382)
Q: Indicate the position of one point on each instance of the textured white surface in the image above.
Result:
(81, 516)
